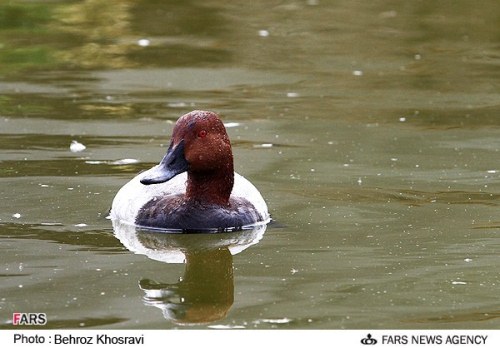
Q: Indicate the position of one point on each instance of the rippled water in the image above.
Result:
(371, 128)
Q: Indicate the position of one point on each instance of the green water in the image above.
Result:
(371, 129)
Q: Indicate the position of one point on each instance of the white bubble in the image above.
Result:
(143, 42)
(263, 33)
(76, 146)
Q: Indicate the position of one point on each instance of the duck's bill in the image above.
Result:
(172, 164)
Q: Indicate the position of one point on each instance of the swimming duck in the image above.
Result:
(194, 187)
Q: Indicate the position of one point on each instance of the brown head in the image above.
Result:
(199, 145)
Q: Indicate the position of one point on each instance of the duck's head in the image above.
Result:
(199, 145)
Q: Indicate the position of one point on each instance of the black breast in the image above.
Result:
(174, 212)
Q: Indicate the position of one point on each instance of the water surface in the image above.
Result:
(371, 128)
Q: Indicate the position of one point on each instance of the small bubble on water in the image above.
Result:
(292, 94)
(16, 215)
(76, 146)
(143, 42)
(263, 146)
(263, 33)
(357, 73)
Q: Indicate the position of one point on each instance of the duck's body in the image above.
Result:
(194, 187)
(163, 206)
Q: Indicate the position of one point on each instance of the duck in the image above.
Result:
(194, 187)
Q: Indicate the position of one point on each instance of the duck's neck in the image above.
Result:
(213, 187)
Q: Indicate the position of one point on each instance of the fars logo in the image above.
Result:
(369, 340)
(29, 318)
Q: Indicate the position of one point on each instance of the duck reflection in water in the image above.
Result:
(204, 294)
(206, 291)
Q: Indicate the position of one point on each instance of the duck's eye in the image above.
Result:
(202, 133)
